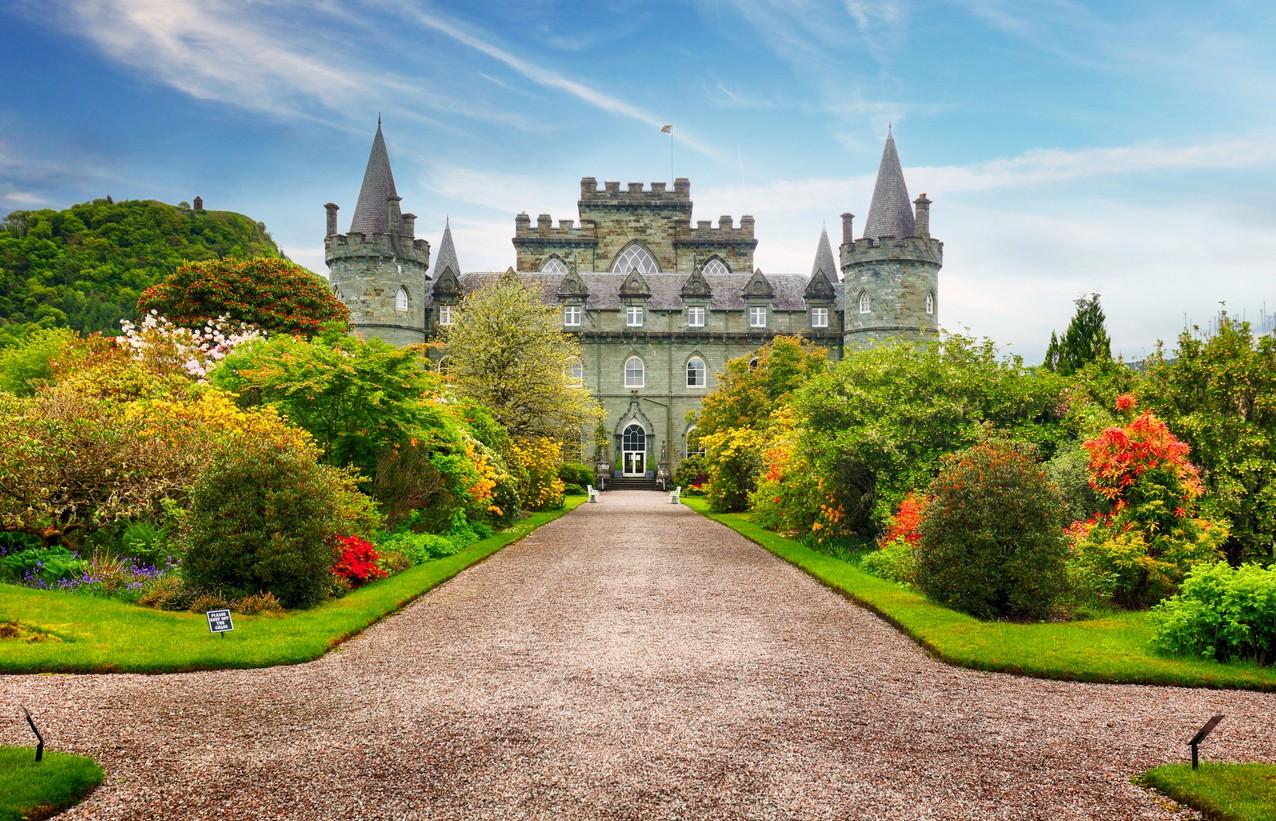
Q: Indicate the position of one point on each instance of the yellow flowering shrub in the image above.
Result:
(537, 459)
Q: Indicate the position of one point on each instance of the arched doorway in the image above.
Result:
(633, 449)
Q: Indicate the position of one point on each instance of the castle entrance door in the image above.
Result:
(633, 448)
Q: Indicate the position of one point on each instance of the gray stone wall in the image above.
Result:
(897, 275)
(367, 272)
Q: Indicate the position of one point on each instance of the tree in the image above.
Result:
(507, 351)
(272, 294)
(1085, 341)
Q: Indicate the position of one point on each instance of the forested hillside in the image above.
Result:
(85, 266)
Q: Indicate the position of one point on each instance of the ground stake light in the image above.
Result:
(1200, 736)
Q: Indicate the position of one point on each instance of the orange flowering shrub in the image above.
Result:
(907, 522)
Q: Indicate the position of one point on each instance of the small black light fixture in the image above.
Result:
(1200, 736)
(39, 747)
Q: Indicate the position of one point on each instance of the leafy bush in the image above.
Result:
(895, 561)
(393, 561)
(273, 294)
(266, 519)
(539, 487)
(992, 544)
(418, 547)
(27, 365)
(257, 603)
(42, 566)
(168, 592)
(574, 473)
(1221, 613)
(1069, 469)
(691, 472)
(573, 490)
(357, 561)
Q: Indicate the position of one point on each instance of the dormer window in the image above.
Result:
(554, 265)
(695, 316)
(757, 317)
(930, 304)
(401, 299)
(866, 305)
(571, 316)
(819, 317)
(633, 316)
(635, 258)
(445, 314)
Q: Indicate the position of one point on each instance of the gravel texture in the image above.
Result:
(629, 660)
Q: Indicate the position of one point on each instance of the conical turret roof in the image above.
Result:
(447, 253)
(891, 212)
(371, 215)
(824, 260)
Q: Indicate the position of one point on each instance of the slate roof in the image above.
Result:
(666, 289)
(371, 215)
(447, 253)
(824, 259)
(891, 212)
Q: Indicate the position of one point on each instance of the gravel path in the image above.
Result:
(631, 659)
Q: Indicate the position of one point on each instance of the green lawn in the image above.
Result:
(30, 790)
(1231, 792)
(1115, 649)
(82, 634)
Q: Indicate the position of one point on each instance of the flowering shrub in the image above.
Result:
(991, 538)
(537, 459)
(357, 561)
(733, 459)
(275, 295)
(1152, 536)
(907, 522)
(163, 346)
(1221, 613)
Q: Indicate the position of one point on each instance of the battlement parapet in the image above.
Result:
(634, 193)
(706, 233)
(922, 249)
(545, 231)
(357, 245)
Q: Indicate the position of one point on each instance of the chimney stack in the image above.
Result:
(331, 208)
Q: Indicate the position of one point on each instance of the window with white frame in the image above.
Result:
(401, 299)
(697, 373)
(571, 316)
(576, 372)
(635, 258)
(695, 317)
(715, 266)
(633, 316)
(930, 304)
(819, 317)
(445, 314)
(757, 317)
(635, 373)
(866, 305)
(554, 265)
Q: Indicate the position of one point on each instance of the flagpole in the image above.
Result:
(668, 129)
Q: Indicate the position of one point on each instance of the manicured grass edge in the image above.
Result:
(801, 557)
(57, 783)
(1240, 785)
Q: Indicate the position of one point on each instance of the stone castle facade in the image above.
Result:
(658, 302)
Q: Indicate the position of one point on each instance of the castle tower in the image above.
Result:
(891, 275)
(379, 269)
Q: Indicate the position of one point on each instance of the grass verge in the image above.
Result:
(1229, 792)
(69, 633)
(1116, 649)
(30, 791)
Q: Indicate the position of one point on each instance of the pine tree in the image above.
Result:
(1085, 341)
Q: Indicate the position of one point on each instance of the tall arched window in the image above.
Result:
(697, 373)
(715, 266)
(337, 293)
(691, 443)
(866, 305)
(635, 373)
(576, 372)
(930, 304)
(635, 258)
(554, 265)
(401, 299)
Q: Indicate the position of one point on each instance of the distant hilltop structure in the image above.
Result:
(660, 302)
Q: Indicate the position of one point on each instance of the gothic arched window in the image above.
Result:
(697, 373)
(866, 305)
(635, 373)
(401, 299)
(930, 304)
(635, 258)
(554, 265)
(715, 266)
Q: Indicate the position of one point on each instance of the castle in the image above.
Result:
(658, 302)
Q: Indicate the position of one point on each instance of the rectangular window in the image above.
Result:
(571, 316)
(819, 317)
(757, 317)
(695, 317)
(445, 314)
(633, 316)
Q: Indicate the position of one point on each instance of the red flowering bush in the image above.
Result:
(357, 561)
(1144, 547)
(275, 295)
(907, 522)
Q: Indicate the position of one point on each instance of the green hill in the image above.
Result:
(84, 267)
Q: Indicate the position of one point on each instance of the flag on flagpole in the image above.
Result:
(666, 129)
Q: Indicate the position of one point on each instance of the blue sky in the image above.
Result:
(1127, 148)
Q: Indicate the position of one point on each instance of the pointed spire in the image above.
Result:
(371, 216)
(447, 252)
(824, 260)
(891, 212)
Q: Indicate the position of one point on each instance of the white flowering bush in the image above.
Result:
(162, 345)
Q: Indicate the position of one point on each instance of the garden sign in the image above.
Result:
(219, 622)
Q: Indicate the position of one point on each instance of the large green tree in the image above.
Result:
(1085, 341)
(506, 350)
